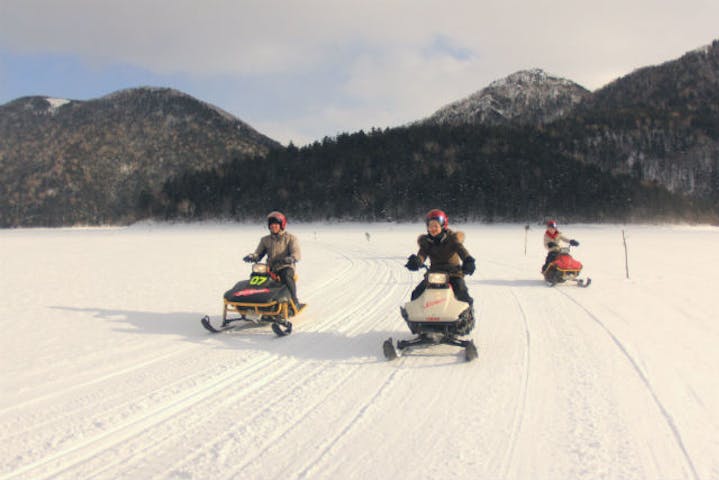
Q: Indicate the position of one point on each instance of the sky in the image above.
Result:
(302, 70)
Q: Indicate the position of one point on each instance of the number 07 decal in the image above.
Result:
(257, 280)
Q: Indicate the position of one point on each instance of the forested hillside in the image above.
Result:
(487, 174)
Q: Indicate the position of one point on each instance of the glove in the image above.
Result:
(413, 263)
(574, 243)
(249, 258)
(468, 266)
(288, 260)
(552, 245)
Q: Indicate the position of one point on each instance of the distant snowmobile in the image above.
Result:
(436, 317)
(262, 299)
(564, 268)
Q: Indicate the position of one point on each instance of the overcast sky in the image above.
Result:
(302, 70)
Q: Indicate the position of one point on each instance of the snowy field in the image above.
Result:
(107, 373)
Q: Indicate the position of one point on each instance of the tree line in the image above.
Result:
(488, 174)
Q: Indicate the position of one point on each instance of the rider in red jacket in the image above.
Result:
(552, 239)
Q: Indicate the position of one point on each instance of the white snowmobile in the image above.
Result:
(436, 317)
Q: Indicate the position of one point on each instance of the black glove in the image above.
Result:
(574, 243)
(551, 245)
(413, 262)
(249, 258)
(468, 266)
(288, 260)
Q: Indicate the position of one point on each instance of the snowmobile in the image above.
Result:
(436, 317)
(564, 268)
(262, 299)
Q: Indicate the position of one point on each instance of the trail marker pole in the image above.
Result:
(626, 254)
(526, 231)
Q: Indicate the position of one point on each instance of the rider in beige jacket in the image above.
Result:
(282, 250)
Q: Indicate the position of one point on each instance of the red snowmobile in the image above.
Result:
(564, 268)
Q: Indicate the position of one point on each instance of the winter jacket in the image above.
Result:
(554, 238)
(282, 250)
(444, 251)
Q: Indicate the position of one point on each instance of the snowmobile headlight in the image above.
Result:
(436, 278)
(259, 268)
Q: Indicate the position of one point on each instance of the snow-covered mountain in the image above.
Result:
(659, 124)
(67, 161)
(530, 97)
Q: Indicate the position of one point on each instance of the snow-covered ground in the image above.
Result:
(106, 372)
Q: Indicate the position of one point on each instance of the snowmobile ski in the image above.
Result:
(392, 352)
(470, 351)
(233, 325)
(282, 328)
(206, 323)
(389, 350)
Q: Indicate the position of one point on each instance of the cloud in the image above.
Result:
(316, 67)
(264, 37)
(252, 37)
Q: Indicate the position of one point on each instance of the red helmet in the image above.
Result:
(277, 217)
(439, 215)
(551, 224)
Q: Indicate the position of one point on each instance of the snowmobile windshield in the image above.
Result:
(437, 278)
(260, 268)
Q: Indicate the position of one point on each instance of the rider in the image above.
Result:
(444, 249)
(552, 239)
(282, 250)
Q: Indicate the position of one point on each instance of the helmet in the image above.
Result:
(277, 217)
(439, 215)
(551, 224)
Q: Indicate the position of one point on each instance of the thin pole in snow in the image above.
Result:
(526, 230)
(626, 255)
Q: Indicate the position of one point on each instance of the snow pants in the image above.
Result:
(287, 276)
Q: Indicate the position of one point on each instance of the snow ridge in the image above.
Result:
(525, 97)
(56, 103)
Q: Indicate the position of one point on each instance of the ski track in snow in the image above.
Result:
(565, 385)
(625, 352)
(522, 394)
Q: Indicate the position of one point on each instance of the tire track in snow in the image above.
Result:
(369, 311)
(104, 398)
(199, 422)
(532, 296)
(347, 306)
(634, 365)
(327, 446)
(645, 381)
(369, 306)
(78, 455)
(96, 380)
(297, 422)
(522, 404)
(92, 446)
(329, 280)
(364, 411)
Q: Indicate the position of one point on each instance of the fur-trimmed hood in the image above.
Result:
(445, 252)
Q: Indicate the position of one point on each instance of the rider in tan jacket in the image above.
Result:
(282, 250)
